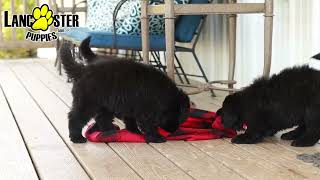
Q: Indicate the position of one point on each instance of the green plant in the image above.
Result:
(20, 32)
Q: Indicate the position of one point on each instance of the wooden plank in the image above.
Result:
(48, 65)
(25, 7)
(50, 155)
(195, 162)
(198, 9)
(97, 158)
(25, 44)
(298, 150)
(15, 160)
(270, 151)
(145, 31)
(206, 102)
(62, 6)
(61, 88)
(232, 21)
(248, 165)
(169, 33)
(146, 161)
(13, 30)
(1, 35)
(268, 29)
(149, 163)
(69, 9)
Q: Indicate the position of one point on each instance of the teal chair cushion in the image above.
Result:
(99, 17)
(103, 39)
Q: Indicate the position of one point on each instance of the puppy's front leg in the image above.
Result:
(131, 125)
(104, 120)
(294, 134)
(154, 137)
(77, 120)
(151, 133)
(309, 138)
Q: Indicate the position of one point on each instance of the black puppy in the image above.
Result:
(291, 98)
(143, 97)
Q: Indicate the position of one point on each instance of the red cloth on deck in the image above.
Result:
(200, 125)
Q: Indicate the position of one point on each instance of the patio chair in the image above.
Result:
(187, 31)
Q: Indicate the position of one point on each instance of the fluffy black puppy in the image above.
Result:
(291, 98)
(143, 97)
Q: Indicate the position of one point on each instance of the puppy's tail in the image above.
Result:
(73, 69)
(85, 50)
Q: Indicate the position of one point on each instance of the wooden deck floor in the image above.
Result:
(34, 102)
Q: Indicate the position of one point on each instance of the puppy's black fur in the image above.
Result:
(291, 98)
(143, 97)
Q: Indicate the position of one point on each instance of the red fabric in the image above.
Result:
(200, 125)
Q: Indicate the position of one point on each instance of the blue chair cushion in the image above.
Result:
(102, 39)
(186, 26)
(100, 13)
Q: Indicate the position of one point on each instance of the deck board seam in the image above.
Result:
(128, 164)
(270, 161)
(63, 101)
(217, 160)
(286, 147)
(20, 132)
(50, 71)
(265, 159)
(173, 162)
(224, 164)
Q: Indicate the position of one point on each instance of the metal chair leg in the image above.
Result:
(178, 74)
(202, 71)
(157, 54)
(59, 67)
(159, 66)
(57, 50)
(175, 68)
(181, 68)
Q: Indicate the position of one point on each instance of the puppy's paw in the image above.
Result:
(302, 143)
(292, 135)
(134, 130)
(288, 136)
(155, 139)
(78, 139)
(246, 139)
(239, 139)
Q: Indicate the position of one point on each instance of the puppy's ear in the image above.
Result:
(219, 112)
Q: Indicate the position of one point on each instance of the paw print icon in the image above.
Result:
(43, 18)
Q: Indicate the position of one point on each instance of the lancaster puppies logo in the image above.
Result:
(39, 22)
